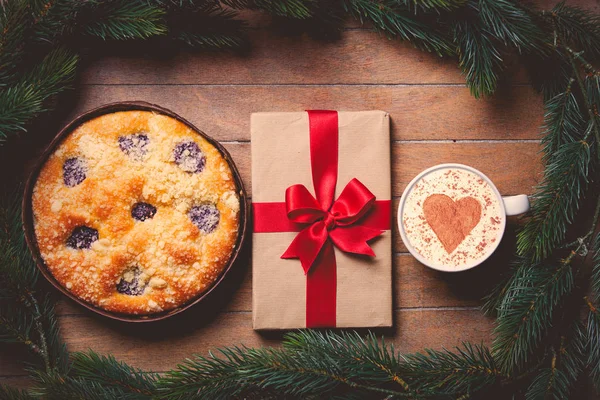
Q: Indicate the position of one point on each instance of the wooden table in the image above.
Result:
(434, 120)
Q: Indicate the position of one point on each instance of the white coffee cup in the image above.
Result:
(511, 205)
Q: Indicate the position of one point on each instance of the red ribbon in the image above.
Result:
(348, 222)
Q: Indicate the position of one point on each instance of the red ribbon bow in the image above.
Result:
(338, 223)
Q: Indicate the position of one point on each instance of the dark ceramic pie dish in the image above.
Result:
(27, 213)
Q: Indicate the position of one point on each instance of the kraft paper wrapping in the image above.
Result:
(281, 158)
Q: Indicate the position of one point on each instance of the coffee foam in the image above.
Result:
(457, 184)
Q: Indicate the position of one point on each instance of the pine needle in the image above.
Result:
(565, 363)
(20, 102)
(479, 58)
(511, 25)
(526, 313)
(397, 22)
(578, 28)
(433, 5)
(122, 20)
(556, 200)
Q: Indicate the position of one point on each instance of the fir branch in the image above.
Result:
(125, 19)
(23, 318)
(593, 335)
(58, 354)
(591, 96)
(240, 372)
(14, 21)
(593, 317)
(363, 358)
(556, 200)
(395, 21)
(56, 20)
(209, 27)
(478, 57)
(511, 25)
(468, 370)
(20, 102)
(519, 268)
(526, 312)
(58, 386)
(298, 9)
(563, 122)
(595, 277)
(108, 372)
(435, 5)
(8, 393)
(577, 28)
(17, 268)
(557, 380)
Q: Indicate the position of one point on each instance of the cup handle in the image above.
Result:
(515, 205)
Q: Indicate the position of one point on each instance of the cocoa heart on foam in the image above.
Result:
(451, 220)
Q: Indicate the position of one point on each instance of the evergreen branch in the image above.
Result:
(125, 19)
(58, 386)
(22, 318)
(57, 349)
(298, 9)
(207, 28)
(34, 310)
(558, 379)
(467, 371)
(478, 57)
(493, 301)
(393, 20)
(243, 371)
(435, 5)
(14, 21)
(27, 98)
(595, 278)
(364, 358)
(16, 329)
(592, 91)
(511, 25)
(556, 200)
(8, 393)
(593, 334)
(56, 20)
(108, 372)
(593, 318)
(526, 312)
(577, 28)
(563, 122)
(17, 268)
(588, 96)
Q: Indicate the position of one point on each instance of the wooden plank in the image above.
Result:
(514, 167)
(19, 382)
(414, 286)
(163, 346)
(359, 56)
(418, 112)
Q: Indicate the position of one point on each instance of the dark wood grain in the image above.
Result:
(161, 348)
(513, 167)
(358, 57)
(418, 112)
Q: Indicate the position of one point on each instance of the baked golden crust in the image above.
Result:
(166, 259)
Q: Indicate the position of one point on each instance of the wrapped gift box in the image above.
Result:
(299, 148)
